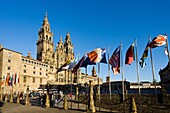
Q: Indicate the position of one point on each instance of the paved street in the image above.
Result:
(8, 107)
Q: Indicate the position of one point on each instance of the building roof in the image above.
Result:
(10, 50)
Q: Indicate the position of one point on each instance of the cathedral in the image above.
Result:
(17, 72)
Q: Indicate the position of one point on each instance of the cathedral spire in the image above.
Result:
(60, 40)
(68, 39)
(45, 21)
(68, 35)
(94, 72)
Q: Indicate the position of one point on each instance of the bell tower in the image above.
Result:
(45, 44)
(68, 47)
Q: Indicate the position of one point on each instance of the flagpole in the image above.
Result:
(153, 73)
(99, 79)
(167, 46)
(137, 68)
(99, 82)
(71, 88)
(138, 76)
(86, 86)
(109, 75)
(122, 70)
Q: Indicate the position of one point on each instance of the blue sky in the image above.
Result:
(92, 24)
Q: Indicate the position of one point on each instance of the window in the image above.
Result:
(40, 73)
(25, 71)
(33, 72)
(25, 66)
(9, 60)
(62, 80)
(33, 79)
(40, 80)
(24, 79)
(9, 54)
(9, 68)
(34, 67)
(40, 69)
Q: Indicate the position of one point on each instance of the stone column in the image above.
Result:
(47, 103)
(77, 92)
(65, 103)
(92, 107)
(18, 98)
(27, 98)
(133, 108)
(11, 96)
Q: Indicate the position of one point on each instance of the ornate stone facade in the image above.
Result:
(18, 71)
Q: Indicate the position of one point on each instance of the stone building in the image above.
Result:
(165, 78)
(18, 71)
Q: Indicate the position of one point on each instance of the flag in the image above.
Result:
(103, 60)
(8, 79)
(79, 64)
(72, 63)
(166, 50)
(3, 80)
(142, 62)
(159, 40)
(18, 78)
(130, 56)
(98, 55)
(87, 62)
(114, 61)
(15, 78)
(64, 66)
(2, 83)
(11, 80)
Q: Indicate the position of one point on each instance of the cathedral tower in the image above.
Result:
(68, 47)
(60, 53)
(45, 44)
